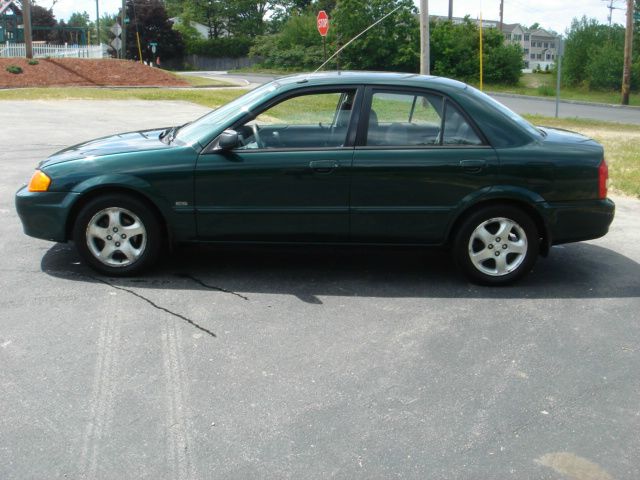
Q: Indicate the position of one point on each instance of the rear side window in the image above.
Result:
(457, 130)
(404, 119)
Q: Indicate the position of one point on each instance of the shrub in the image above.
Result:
(14, 69)
(33, 61)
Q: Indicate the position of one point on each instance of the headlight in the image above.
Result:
(39, 182)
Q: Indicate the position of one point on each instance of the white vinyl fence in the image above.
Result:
(54, 51)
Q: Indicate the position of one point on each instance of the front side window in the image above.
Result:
(314, 120)
(404, 119)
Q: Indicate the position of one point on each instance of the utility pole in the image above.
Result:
(124, 29)
(501, 13)
(98, 21)
(450, 10)
(628, 43)
(559, 54)
(425, 67)
(26, 19)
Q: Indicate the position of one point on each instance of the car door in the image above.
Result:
(287, 180)
(416, 159)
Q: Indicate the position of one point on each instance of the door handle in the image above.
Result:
(472, 166)
(323, 166)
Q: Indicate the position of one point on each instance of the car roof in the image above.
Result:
(371, 78)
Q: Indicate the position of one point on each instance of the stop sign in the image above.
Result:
(323, 23)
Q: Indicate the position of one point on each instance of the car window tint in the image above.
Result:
(318, 120)
(404, 119)
(457, 130)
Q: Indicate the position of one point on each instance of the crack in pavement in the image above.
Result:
(210, 287)
(154, 305)
(142, 297)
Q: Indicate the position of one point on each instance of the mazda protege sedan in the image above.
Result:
(349, 158)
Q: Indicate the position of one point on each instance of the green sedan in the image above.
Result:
(332, 158)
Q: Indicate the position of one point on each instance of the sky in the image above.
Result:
(551, 14)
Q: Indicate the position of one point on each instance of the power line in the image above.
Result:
(611, 9)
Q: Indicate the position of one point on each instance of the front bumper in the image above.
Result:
(577, 221)
(44, 214)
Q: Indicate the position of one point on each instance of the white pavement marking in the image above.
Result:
(102, 397)
(178, 435)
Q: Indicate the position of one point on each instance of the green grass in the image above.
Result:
(267, 71)
(208, 98)
(195, 81)
(621, 142)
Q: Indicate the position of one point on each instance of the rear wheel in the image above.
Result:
(117, 235)
(496, 245)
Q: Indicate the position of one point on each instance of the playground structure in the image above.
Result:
(12, 28)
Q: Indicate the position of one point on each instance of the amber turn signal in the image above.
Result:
(39, 182)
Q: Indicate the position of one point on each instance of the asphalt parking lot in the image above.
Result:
(306, 363)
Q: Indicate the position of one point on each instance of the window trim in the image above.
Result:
(363, 126)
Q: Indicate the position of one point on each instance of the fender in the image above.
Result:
(510, 193)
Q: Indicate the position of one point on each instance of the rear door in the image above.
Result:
(416, 158)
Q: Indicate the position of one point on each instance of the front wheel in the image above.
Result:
(496, 245)
(117, 235)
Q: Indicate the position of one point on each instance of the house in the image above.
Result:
(540, 47)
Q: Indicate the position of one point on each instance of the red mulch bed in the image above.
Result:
(78, 72)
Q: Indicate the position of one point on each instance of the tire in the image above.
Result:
(117, 235)
(489, 257)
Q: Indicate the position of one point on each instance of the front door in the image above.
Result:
(288, 178)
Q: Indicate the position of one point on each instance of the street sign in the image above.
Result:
(116, 43)
(116, 29)
(323, 23)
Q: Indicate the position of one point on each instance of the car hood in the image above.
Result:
(122, 143)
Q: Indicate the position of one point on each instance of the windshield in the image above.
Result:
(208, 126)
(505, 111)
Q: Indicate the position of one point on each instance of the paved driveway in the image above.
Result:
(306, 363)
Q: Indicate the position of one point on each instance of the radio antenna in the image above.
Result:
(355, 38)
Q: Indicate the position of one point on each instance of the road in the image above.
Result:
(306, 363)
(518, 103)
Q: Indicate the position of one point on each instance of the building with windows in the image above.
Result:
(539, 46)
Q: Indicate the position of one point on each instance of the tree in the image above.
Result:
(594, 55)
(41, 17)
(106, 22)
(393, 44)
(80, 20)
(149, 19)
(455, 53)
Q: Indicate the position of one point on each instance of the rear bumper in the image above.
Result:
(577, 221)
(44, 214)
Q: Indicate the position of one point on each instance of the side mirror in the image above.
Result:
(228, 140)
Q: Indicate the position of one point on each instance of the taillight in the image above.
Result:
(603, 177)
